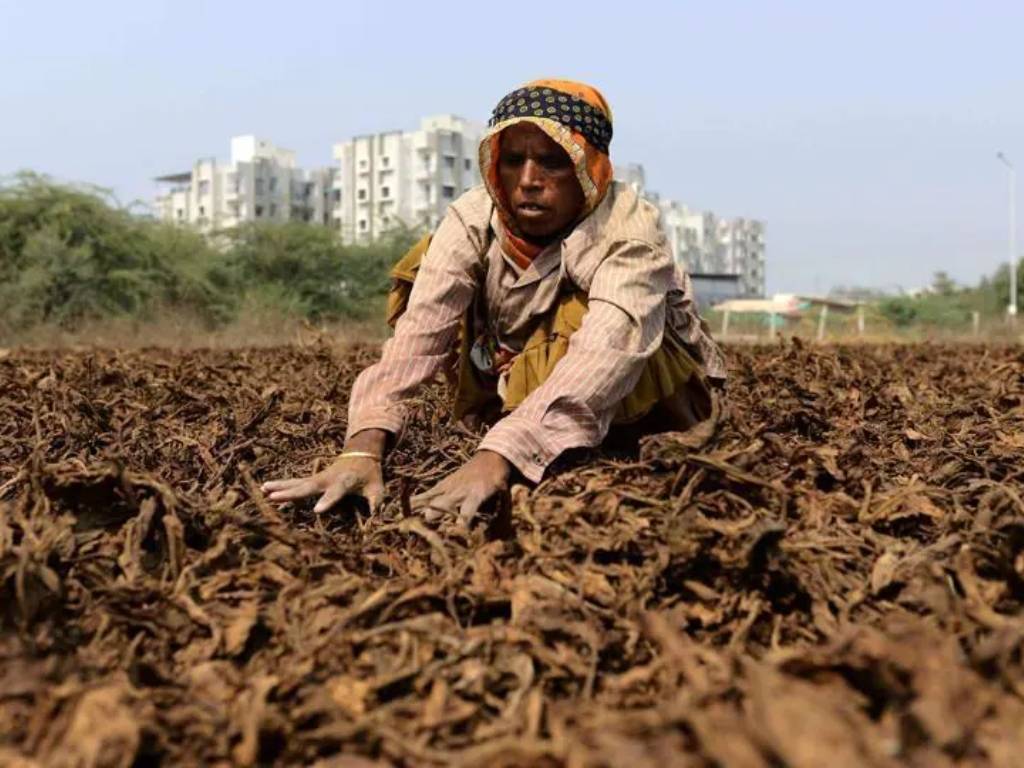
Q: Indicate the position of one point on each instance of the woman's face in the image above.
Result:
(539, 182)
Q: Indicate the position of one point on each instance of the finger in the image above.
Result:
(298, 491)
(374, 496)
(443, 502)
(440, 501)
(432, 515)
(338, 490)
(469, 508)
(278, 485)
(422, 498)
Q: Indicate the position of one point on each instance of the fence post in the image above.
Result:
(725, 323)
(860, 319)
(822, 319)
(771, 325)
(976, 323)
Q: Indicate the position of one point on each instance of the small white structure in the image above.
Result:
(400, 177)
(788, 305)
(260, 183)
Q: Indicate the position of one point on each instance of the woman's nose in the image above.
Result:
(531, 175)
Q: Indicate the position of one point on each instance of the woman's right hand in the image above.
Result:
(347, 476)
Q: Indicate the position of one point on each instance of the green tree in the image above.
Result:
(998, 287)
(70, 253)
(306, 270)
(943, 284)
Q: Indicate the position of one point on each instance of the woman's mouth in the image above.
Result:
(531, 210)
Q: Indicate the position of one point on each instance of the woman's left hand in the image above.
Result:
(465, 490)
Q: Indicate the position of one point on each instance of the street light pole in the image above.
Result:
(1012, 309)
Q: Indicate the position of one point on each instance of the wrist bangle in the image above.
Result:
(359, 455)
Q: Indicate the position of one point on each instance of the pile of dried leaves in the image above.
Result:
(835, 579)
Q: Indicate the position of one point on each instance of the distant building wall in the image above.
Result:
(711, 289)
(260, 183)
(632, 174)
(707, 245)
(407, 178)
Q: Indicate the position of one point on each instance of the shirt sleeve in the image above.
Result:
(622, 328)
(424, 336)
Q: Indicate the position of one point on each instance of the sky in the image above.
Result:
(863, 134)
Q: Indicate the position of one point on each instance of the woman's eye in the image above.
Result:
(512, 159)
(553, 162)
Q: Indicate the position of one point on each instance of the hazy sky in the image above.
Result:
(863, 133)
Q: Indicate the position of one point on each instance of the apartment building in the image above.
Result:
(403, 177)
(410, 177)
(740, 251)
(709, 246)
(261, 182)
(632, 174)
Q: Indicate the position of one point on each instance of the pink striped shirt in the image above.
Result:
(617, 255)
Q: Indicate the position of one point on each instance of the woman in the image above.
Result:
(549, 296)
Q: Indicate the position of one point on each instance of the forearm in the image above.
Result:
(375, 441)
(424, 336)
(380, 393)
(530, 442)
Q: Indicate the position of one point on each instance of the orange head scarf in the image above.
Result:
(575, 116)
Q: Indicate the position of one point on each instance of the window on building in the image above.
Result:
(202, 210)
(259, 186)
(362, 163)
(259, 211)
(385, 191)
(469, 164)
(362, 225)
(448, 191)
(449, 162)
(336, 195)
(361, 194)
(204, 187)
(273, 210)
(384, 161)
(181, 214)
(273, 183)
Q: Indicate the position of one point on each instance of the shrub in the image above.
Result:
(70, 254)
(67, 254)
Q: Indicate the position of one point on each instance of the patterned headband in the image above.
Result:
(559, 106)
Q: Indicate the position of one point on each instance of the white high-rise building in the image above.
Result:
(409, 178)
(260, 183)
(725, 256)
(707, 245)
(632, 174)
(740, 251)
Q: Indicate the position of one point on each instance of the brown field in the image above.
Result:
(836, 579)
